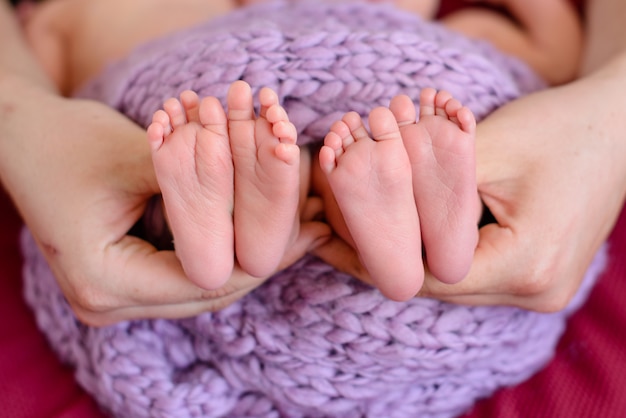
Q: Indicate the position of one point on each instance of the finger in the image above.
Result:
(313, 209)
(341, 256)
(152, 283)
(492, 270)
(144, 276)
(508, 270)
(311, 235)
(172, 311)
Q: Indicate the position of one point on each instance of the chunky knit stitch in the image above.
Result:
(311, 341)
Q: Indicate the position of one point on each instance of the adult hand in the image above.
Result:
(551, 170)
(80, 187)
(80, 174)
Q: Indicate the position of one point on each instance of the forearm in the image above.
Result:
(40, 131)
(24, 90)
(17, 63)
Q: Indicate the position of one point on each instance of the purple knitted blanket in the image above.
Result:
(311, 341)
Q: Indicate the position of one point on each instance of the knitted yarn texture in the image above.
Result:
(311, 341)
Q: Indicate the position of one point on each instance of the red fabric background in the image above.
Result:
(585, 379)
(33, 383)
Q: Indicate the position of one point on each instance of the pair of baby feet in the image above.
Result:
(231, 191)
(230, 182)
(408, 187)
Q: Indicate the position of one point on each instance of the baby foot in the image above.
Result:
(193, 164)
(441, 149)
(267, 179)
(371, 183)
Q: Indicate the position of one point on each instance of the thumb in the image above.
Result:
(310, 236)
(339, 254)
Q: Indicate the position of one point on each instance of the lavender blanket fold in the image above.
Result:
(311, 341)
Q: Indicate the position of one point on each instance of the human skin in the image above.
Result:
(407, 184)
(552, 207)
(67, 35)
(547, 35)
(551, 169)
(200, 151)
(80, 190)
(70, 64)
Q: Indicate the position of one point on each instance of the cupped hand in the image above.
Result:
(81, 179)
(551, 171)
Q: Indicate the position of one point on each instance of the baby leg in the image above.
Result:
(193, 164)
(441, 149)
(371, 181)
(267, 179)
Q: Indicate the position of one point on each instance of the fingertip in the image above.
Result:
(316, 233)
